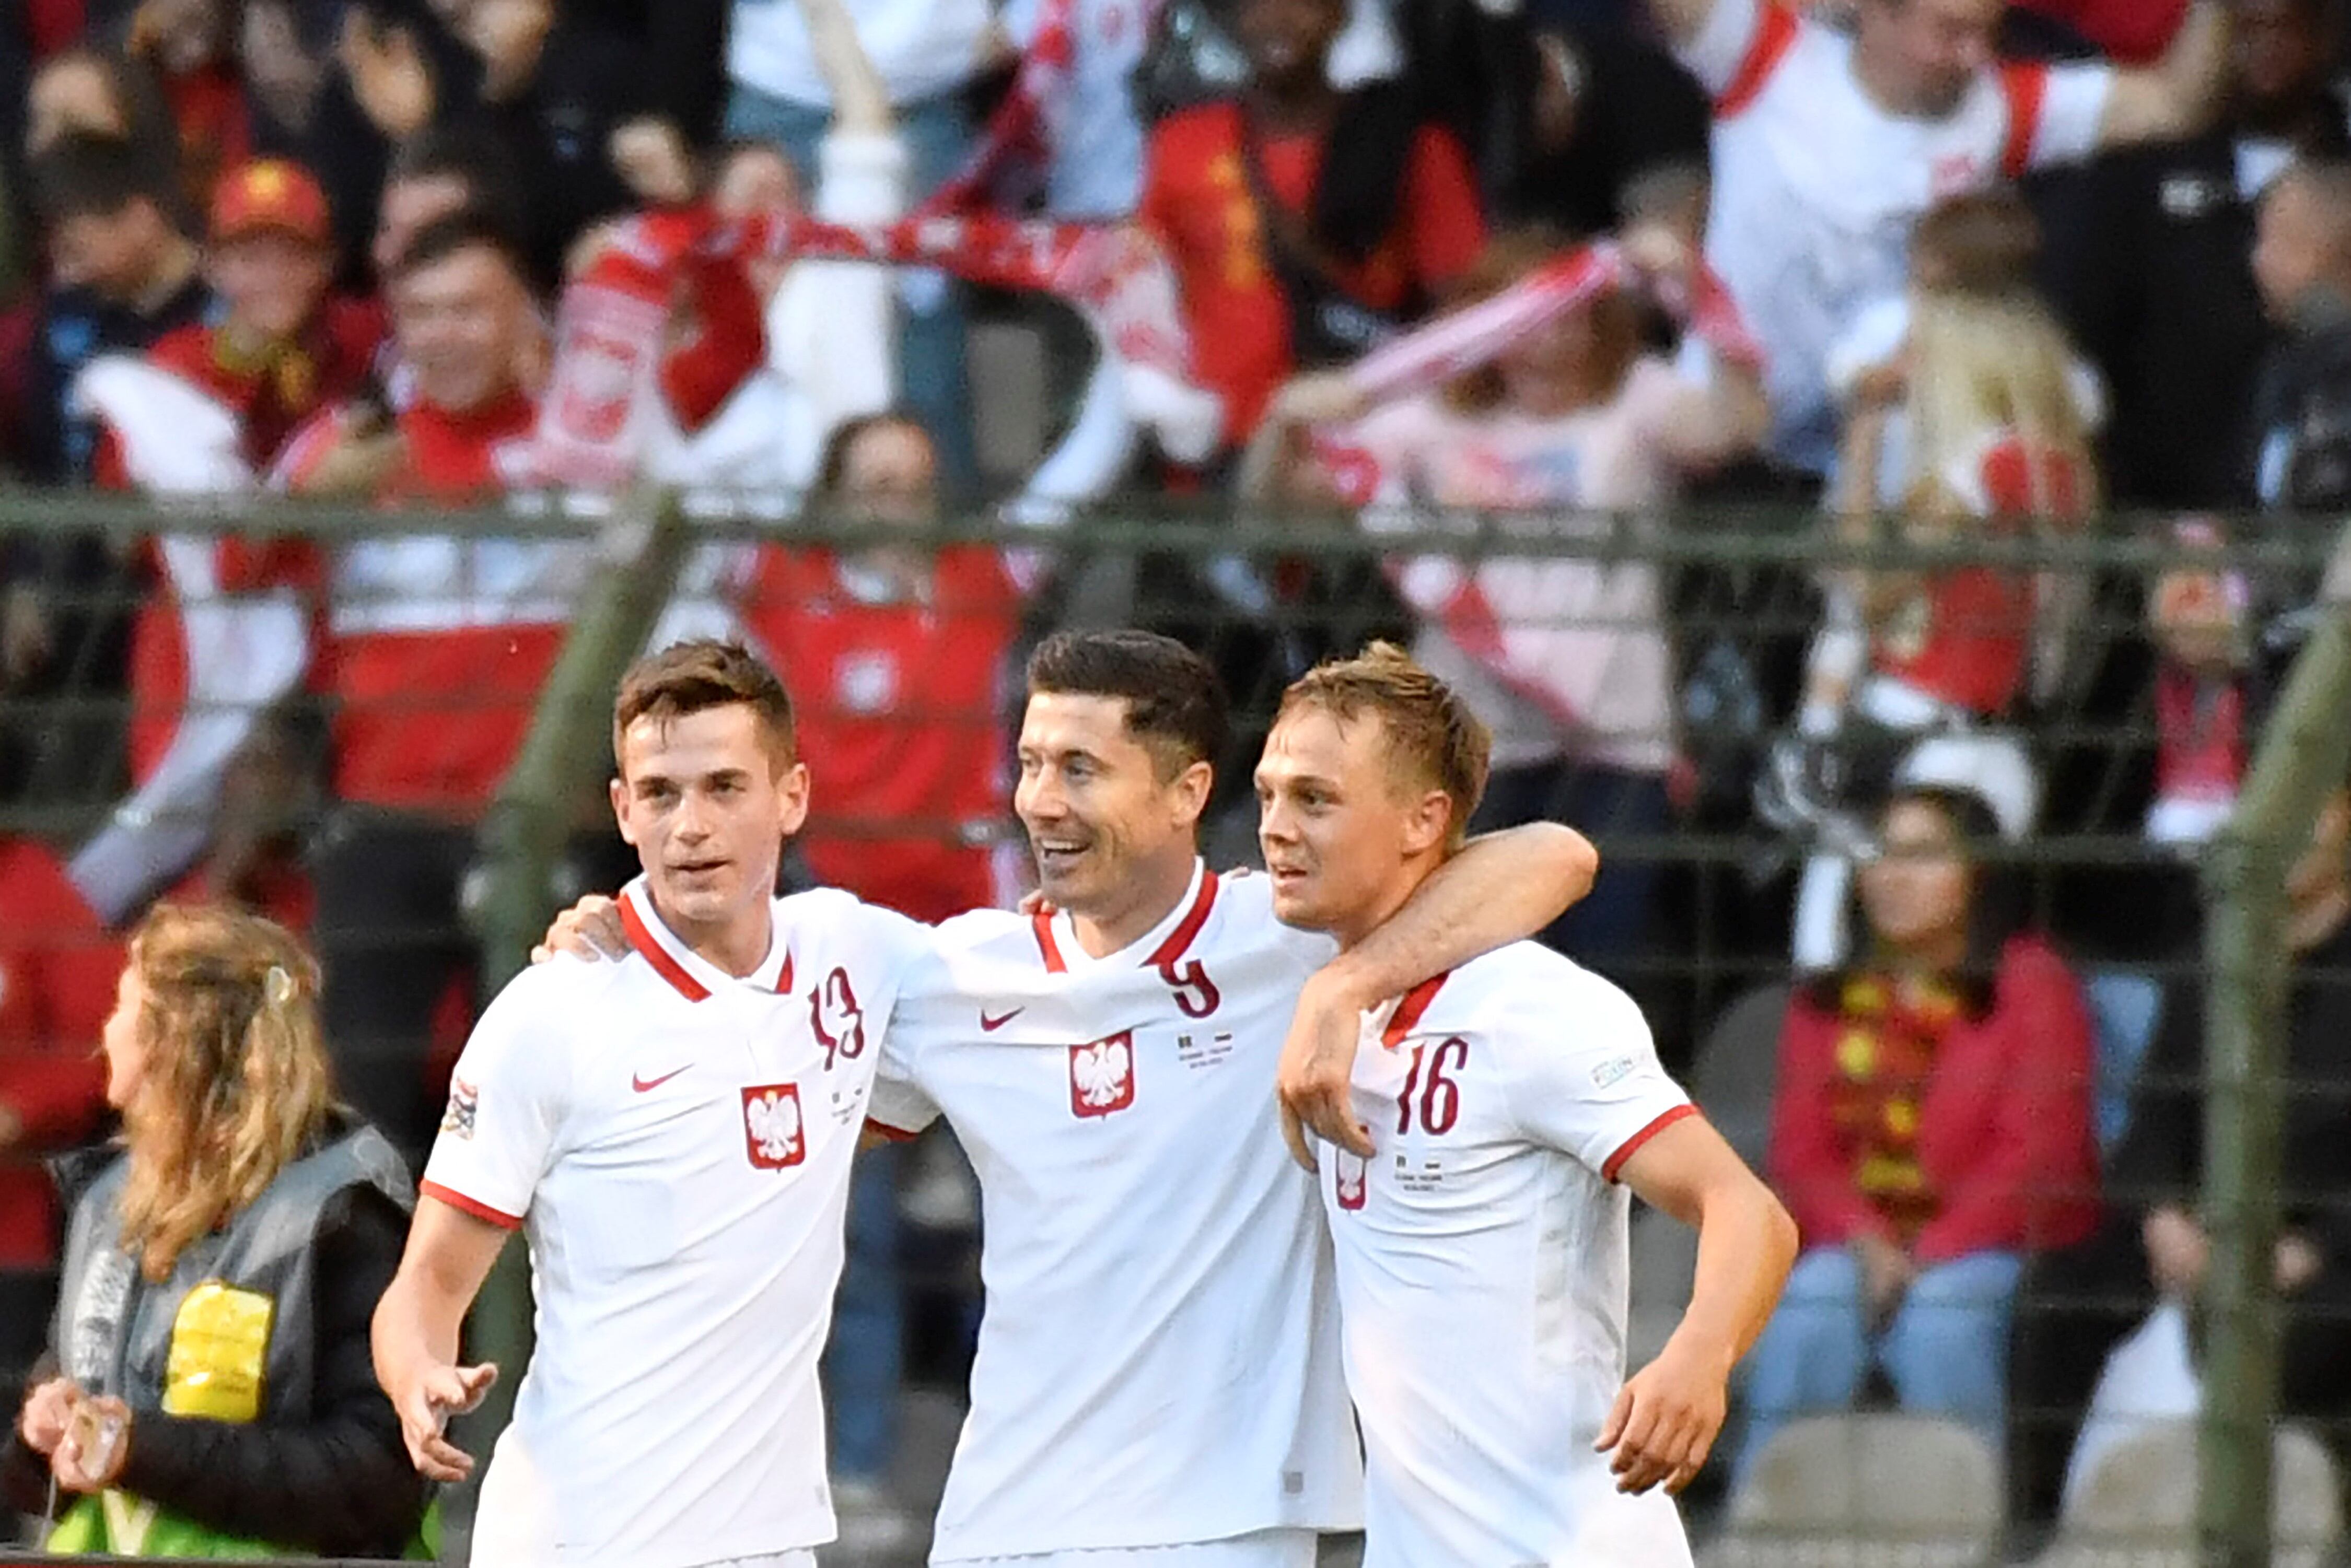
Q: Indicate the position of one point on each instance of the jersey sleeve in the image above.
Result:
(900, 1106)
(507, 1100)
(1584, 1078)
(2053, 113)
(1735, 53)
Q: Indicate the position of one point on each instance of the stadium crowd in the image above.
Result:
(1961, 270)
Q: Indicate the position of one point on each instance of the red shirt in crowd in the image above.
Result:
(1965, 636)
(1898, 1115)
(429, 716)
(898, 708)
(1196, 199)
(2133, 32)
(58, 964)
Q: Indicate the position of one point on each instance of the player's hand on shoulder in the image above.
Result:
(1665, 1420)
(589, 929)
(1318, 1068)
(436, 1393)
(47, 1408)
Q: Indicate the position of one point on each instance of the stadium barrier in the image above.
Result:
(1732, 595)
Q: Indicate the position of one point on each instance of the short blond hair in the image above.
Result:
(237, 1084)
(1433, 741)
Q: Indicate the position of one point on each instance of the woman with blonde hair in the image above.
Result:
(212, 1392)
(1968, 417)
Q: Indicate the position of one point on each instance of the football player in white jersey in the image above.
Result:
(1483, 1248)
(674, 1132)
(1157, 1381)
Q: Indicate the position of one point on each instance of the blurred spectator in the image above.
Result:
(898, 658)
(123, 277)
(2133, 31)
(1558, 119)
(1304, 222)
(2150, 260)
(276, 348)
(1827, 148)
(222, 1268)
(926, 54)
(2155, 1245)
(437, 646)
(2200, 617)
(1973, 418)
(1931, 1128)
(1566, 660)
(56, 960)
(2302, 261)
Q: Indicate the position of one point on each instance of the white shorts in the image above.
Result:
(1258, 1548)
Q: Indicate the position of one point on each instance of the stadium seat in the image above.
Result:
(2125, 1008)
(2138, 1509)
(1738, 1067)
(1866, 1491)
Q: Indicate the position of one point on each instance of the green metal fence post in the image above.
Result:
(2304, 754)
(565, 757)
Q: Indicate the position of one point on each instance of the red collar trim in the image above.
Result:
(649, 947)
(1054, 964)
(1186, 930)
(1407, 1014)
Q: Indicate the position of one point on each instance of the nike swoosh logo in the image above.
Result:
(647, 1086)
(991, 1024)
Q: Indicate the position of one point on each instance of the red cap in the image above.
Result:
(267, 195)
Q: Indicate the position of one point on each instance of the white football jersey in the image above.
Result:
(1817, 187)
(675, 1143)
(1158, 1362)
(1482, 1265)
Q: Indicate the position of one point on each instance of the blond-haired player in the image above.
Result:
(1481, 1248)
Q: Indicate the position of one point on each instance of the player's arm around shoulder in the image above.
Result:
(1668, 1414)
(1500, 888)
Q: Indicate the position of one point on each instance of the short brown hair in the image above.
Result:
(1433, 739)
(691, 676)
(1175, 706)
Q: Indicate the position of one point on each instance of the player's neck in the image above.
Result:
(1151, 895)
(1376, 912)
(737, 943)
(1884, 88)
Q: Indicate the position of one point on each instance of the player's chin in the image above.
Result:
(1297, 901)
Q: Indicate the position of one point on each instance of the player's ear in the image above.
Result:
(1427, 822)
(618, 792)
(1192, 787)
(791, 798)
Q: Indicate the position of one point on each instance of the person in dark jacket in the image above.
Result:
(2155, 1241)
(2149, 256)
(212, 1392)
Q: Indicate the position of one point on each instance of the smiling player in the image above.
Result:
(1481, 1250)
(674, 1132)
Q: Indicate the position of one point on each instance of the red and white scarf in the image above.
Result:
(608, 328)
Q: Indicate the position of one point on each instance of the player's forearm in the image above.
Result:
(1500, 888)
(415, 1326)
(1746, 1245)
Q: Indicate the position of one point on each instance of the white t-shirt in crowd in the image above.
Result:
(1483, 1268)
(1562, 657)
(1158, 1361)
(1817, 187)
(675, 1143)
(921, 48)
